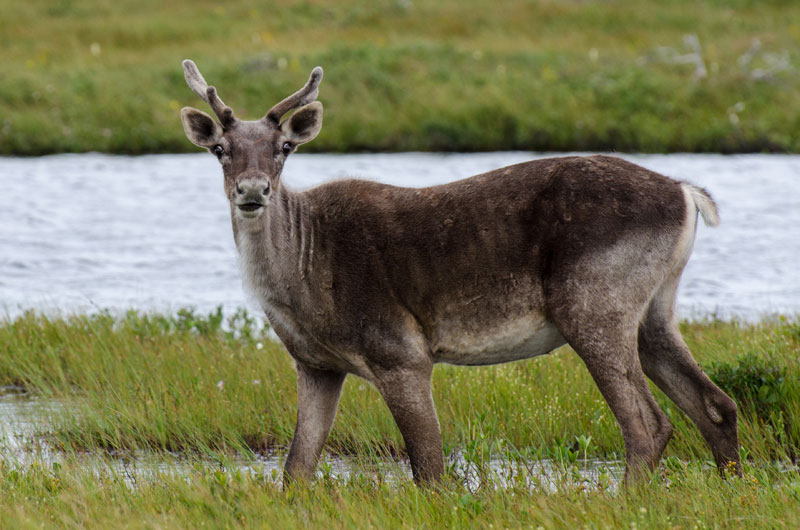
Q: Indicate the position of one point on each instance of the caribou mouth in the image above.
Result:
(250, 206)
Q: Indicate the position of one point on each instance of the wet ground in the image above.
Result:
(25, 423)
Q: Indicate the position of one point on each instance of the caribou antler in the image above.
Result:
(304, 96)
(198, 84)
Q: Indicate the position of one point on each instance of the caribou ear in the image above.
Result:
(304, 125)
(200, 128)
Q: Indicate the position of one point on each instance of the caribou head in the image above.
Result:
(252, 153)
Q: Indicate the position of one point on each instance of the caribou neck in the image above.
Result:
(276, 250)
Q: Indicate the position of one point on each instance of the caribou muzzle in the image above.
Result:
(251, 197)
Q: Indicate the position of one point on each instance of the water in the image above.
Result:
(81, 232)
(20, 417)
(89, 231)
(25, 421)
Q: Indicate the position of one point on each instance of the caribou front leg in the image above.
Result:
(407, 392)
(317, 398)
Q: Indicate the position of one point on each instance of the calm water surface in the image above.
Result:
(89, 231)
(25, 420)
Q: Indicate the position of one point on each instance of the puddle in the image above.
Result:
(24, 420)
(21, 417)
(543, 474)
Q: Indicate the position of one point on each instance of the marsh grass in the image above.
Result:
(213, 390)
(105, 76)
(203, 383)
(69, 496)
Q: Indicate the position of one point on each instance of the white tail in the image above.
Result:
(705, 204)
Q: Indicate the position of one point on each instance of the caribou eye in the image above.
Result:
(287, 148)
(218, 150)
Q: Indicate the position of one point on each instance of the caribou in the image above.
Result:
(358, 277)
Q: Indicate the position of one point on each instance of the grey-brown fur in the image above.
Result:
(379, 281)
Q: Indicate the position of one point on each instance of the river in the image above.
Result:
(80, 232)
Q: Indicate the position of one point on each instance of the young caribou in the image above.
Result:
(382, 282)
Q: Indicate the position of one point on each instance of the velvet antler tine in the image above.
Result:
(195, 79)
(223, 112)
(199, 86)
(304, 96)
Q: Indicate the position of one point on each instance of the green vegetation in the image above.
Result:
(73, 497)
(755, 381)
(209, 387)
(198, 384)
(405, 75)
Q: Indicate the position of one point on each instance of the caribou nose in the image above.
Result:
(251, 195)
(252, 189)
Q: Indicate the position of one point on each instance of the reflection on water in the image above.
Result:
(25, 421)
(79, 232)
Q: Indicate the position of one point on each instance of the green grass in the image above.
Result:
(468, 75)
(183, 383)
(208, 389)
(69, 496)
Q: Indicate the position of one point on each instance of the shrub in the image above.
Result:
(754, 381)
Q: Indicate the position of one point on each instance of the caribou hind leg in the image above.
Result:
(668, 362)
(597, 308)
(610, 356)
